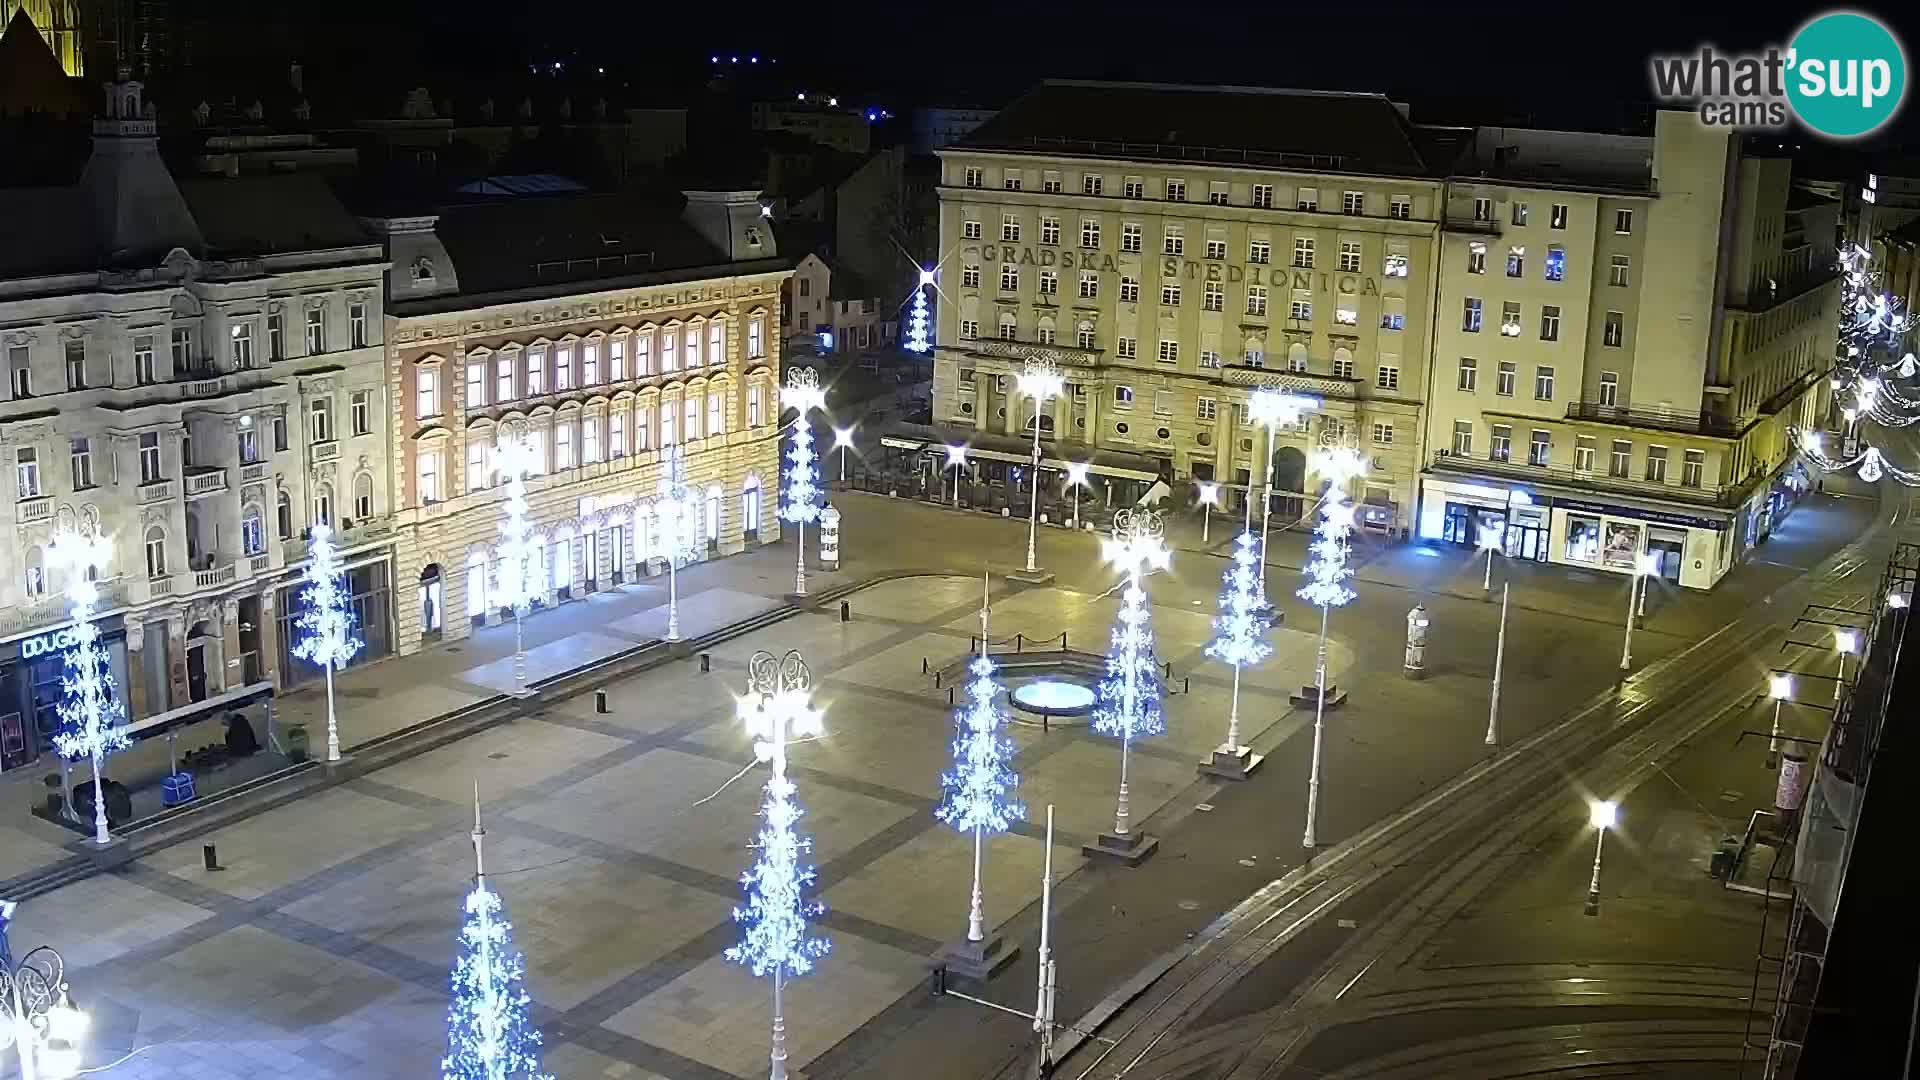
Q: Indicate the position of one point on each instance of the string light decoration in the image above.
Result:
(919, 323)
(803, 394)
(1240, 634)
(1127, 702)
(1873, 325)
(1327, 588)
(93, 720)
(980, 787)
(674, 515)
(490, 1035)
(776, 940)
(326, 619)
(514, 457)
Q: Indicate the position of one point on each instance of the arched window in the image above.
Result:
(363, 497)
(1255, 352)
(253, 530)
(476, 584)
(323, 504)
(1009, 326)
(156, 545)
(750, 504)
(283, 514)
(1297, 357)
(36, 567)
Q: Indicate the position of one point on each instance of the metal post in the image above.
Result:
(1033, 515)
(1076, 505)
(843, 464)
(1043, 1009)
(1319, 730)
(1773, 740)
(1233, 716)
(100, 835)
(519, 656)
(1626, 645)
(800, 561)
(1206, 524)
(1266, 515)
(1499, 661)
(976, 919)
(779, 1056)
(1840, 680)
(1593, 884)
(333, 727)
(1486, 583)
(673, 596)
(1129, 694)
(24, 1038)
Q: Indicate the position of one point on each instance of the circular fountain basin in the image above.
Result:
(1053, 697)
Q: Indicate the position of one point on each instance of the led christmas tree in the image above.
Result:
(980, 791)
(1127, 701)
(515, 457)
(326, 621)
(673, 521)
(1240, 640)
(803, 394)
(919, 324)
(489, 1034)
(1327, 588)
(776, 940)
(93, 722)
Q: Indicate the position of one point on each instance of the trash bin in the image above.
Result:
(296, 743)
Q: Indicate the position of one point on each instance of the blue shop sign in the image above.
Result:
(1658, 516)
(54, 642)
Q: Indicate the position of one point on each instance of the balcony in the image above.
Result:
(216, 577)
(260, 564)
(1021, 352)
(160, 586)
(206, 385)
(156, 491)
(1299, 382)
(1467, 223)
(204, 480)
(253, 473)
(34, 510)
(1589, 480)
(1654, 419)
(323, 451)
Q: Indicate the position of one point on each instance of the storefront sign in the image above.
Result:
(1660, 516)
(52, 641)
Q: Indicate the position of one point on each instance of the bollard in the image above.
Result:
(210, 857)
(1169, 669)
(936, 680)
(1019, 643)
(1186, 684)
(949, 695)
(706, 662)
(846, 611)
(923, 665)
(600, 702)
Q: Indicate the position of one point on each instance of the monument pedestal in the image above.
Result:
(1232, 763)
(1131, 849)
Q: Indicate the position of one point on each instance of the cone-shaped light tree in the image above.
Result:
(1127, 703)
(802, 393)
(490, 1035)
(980, 788)
(93, 721)
(1240, 630)
(1327, 588)
(919, 323)
(673, 520)
(326, 619)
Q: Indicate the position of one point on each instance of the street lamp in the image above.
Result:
(1846, 643)
(842, 440)
(1271, 408)
(1327, 587)
(1492, 539)
(1076, 479)
(42, 1022)
(1209, 498)
(1780, 689)
(1645, 564)
(957, 458)
(1040, 381)
(803, 394)
(1602, 816)
(1897, 601)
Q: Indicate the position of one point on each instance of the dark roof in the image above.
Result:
(528, 241)
(30, 75)
(1342, 132)
(1799, 198)
(1908, 233)
(49, 231)
(270, 215)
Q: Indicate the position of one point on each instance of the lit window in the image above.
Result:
(1556, 263)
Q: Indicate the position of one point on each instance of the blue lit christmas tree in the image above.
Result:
(803, 394)
(1127, 702)
(489, 1033)
(1240, 630)
(326, 623)
(980, 788)
(918, 321)
(93, 721)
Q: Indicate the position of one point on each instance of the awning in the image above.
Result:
(251, 694)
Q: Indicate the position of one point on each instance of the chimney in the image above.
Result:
(732, 221)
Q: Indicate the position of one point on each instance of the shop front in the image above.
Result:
(1459, 513)
(31, 672)
(1692, 551)
(370, 585)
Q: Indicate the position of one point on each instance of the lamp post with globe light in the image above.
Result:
(802, 393)
(1645, 564)
(956, 460)
(1076, 479)
(843, 441)
(1040, 381)
(1780, 689)
(1602, 815)
(1491, 540)
(1846, 643)
(1327, 588)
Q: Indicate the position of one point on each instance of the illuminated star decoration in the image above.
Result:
(1327, 569)
(1240, 629)
(92, 719)
(918, 322)
(489, 1033)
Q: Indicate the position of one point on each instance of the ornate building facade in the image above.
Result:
(59, 22)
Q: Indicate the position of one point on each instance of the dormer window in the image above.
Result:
(422, 270)
(753, 236)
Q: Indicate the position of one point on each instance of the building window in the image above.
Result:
(1050, 231)
(1346, 310)
(276, 336)
(1543, 383)
(1382, 434)
(1509, 319)
(1463, 438)
(1215, 297)
(1400, 207)
(1044, 333)
(1519, 213)
(1050, 183)
(149, 458)
(1011, 180)
(1134, 188)
(1084, 337)
(1387, 377)
(429, 476)
(1349, 256)
(1259, 251)
(1470, 320)
(617, 360)
(1623, 221)
(1209, 358)
(1300, 310)
(320, 420)
(1693, 464)
(240, 344)
(360, 410)
(969, 277)
(476, 383)
(590, 360)
(1550, 322)
(1049, 283)
(1089, 285)
(1556, 263)
(1583, 454)
(1307, 199)
(1089, 233)
(357, 324)
(1558, 218)
(26, 474)
(1009, 330)
(1583, 539)
(1613, 331)
(1303, 252)
(1176, 191)
(1091, 184)
(589, 440)
(617, 434)
(669, 354)
(972, 177)
(477, 472)
(316, 331)
(503, 379)
(1170, 295)
(156, 552)
(1619, 270)
(1010, 229)
(1516, 261)
(1009, 278)
(143, 372)
(1169, 351)
(1125, 348)
(283, 514)
(1483, 209)
(1353, 203)
(1500, 447)
(643, 428)
(1263, 196)
(1130, 236)
(563, 444)
(1173, 241)
(1342, 365)
(1256, 300)
(1609, 388)
(1217, 194)
(1476, 258)
(1622, 458)
(76, 355)
(81, 452)
(971, 230)
(1656, 464)
(1205, 408)
(1129, 291)
(969, 329)
(1469, 374)
(1540, 451)
(253, 531)
(695, 358)
(182, 349)
(1123, 397)
(1396, 263)
(1504, 378)
(1216, 249)
(426, 387)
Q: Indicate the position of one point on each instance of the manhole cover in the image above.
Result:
(497, 756)
(1188, 905)
(1247, 862)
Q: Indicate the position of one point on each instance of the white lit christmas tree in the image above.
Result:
(802, 394)
(326, 621)
(1127, 702)
(673, 521)
(980, 788)
(1327, 588)
(919, 324)
(490, 1035)
(93, 721)
(1240, 635)
(776, 940)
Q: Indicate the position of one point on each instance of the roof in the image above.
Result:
(31, 78)
(49, 231)
(1800, 198)
(270, 215)
(1308, 129)
(528, 241)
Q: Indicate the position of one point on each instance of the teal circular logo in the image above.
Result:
(1846, 74)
